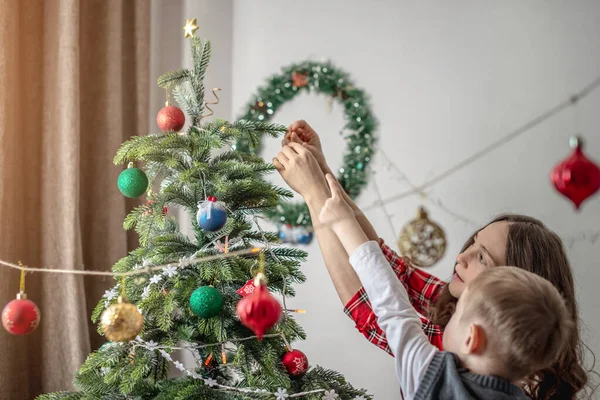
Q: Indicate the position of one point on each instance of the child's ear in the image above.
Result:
(475, 341)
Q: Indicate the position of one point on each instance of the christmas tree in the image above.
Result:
(209, 294)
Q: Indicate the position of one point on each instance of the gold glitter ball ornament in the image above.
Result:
(121, 322)
(422, 241)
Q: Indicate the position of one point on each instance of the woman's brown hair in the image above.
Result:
(535, 248)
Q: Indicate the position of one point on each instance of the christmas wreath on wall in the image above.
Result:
(319, 78)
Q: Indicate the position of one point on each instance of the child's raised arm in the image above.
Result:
(389, 299)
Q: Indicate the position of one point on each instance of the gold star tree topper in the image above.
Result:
(190, 28)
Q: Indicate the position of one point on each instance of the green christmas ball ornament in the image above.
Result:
(133, 182)
(206, 302)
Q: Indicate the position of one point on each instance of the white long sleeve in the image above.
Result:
(395, 315)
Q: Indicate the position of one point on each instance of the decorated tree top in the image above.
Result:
(207, 293)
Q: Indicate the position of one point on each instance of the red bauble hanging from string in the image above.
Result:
(21, 316)
(170, 118)
(576, 177)
(259, 311)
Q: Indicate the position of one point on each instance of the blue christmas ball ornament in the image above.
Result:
(303, 235)
(286, 234)
(212, 215)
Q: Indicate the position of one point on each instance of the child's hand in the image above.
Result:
(336, 211)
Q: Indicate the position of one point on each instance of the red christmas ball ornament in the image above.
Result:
(170, 119)
(576, 177)
(295, 362)
(21, 316)
(259, 311)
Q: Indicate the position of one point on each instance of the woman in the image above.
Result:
(507, 240)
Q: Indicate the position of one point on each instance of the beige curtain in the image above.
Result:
(73, 86)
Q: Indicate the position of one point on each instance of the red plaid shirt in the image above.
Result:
(422, 290)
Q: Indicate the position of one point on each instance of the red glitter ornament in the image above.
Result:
(259, 311)
(576, 177)
(170, 119)
(295, 362)
(21, 316)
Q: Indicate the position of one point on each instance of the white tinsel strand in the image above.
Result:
(212, 382)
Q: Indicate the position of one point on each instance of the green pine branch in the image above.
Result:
(173, 78)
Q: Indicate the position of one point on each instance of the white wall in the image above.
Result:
(445, 80)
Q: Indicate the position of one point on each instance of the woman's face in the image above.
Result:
(488, 250)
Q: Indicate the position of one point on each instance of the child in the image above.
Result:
(508, 323)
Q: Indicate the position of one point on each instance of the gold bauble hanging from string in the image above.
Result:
(422, 241)
(122, 321)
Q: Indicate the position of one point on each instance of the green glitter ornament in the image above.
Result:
(133, 182)
(206, 302)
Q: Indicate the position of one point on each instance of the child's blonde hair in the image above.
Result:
(523, 315)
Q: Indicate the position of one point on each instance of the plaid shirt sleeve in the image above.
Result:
(422, 290)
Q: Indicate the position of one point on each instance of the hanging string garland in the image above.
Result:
(320, 78)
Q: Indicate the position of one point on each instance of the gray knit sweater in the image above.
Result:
(445, 379)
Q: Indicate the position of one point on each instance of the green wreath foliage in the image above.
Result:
(326, 79)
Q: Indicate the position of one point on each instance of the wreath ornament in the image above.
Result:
(321, 78)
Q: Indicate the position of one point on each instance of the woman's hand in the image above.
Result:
(336, 212)
(301, 132)
(300, 170)
(304, 132)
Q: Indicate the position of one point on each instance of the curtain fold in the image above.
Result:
(74, 84)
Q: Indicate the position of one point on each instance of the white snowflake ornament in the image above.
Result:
(210, 382)
(146, 292)
(111, 294)
(164, 354)
(156, 279)
(170, 271)
(179, 366)
(330, 395)
(281, 394)
(151, 345)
